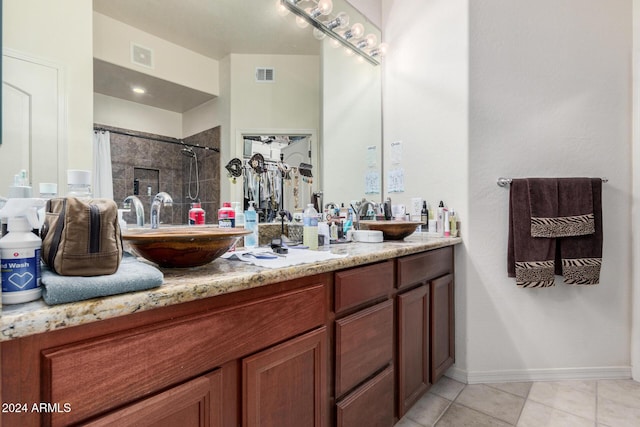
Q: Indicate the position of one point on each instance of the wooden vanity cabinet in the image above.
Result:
(425, 306)
(188, 364)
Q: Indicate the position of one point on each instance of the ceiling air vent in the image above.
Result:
(265, 75)
(141, 55)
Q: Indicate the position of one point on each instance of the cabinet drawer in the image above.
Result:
(196, 403)
(362, 284)
(364, 344)
(424, 266)
(369, 405)
(171, 352)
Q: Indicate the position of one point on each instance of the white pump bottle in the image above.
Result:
(20, 252)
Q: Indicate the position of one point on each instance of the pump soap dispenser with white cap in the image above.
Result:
(20, 252)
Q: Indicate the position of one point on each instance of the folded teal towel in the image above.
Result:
(132, 275)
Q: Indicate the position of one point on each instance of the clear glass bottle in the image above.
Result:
(79, 183)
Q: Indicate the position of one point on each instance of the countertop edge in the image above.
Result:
(185, 286)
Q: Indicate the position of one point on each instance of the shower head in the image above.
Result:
(188, 152)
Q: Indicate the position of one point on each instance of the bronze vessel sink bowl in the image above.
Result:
(182, 247)
(391, 230)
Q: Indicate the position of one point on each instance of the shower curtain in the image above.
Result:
(102, 176)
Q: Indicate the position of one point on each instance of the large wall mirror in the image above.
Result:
(328, 94)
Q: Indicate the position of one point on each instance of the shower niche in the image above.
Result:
(141, 162)
(146, 182)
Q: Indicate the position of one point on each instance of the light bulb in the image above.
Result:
(282, 9)
(325, 7)
(356, 31)
(368, 42)
(381, 50)
(340, 22)
(301, 22)
(318, 34)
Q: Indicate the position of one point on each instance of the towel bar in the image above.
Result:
(503, 182)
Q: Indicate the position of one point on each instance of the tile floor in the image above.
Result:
(603, 403)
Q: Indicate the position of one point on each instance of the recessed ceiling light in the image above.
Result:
(138, 90)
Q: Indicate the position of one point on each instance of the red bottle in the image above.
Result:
(226, 216)
(196, 214)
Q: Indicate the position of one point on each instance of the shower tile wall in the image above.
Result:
(131, 154)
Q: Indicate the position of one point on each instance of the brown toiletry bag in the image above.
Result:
(81, 237)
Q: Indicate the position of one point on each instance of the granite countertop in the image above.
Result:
(183, 285)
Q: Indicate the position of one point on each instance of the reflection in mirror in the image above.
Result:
(278, 172)
(200, 48)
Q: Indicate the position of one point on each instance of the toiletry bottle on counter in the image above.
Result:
(196, 214)
(447, 224)
(20, 252)
(226, 216)
(310, 227)
(239, 214)
(79, 183)
(453, 220)
(251, 224)
(440, 219)
(424, 216)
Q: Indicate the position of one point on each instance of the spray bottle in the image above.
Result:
(20, 252)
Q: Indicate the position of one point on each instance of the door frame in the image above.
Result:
(237, 191)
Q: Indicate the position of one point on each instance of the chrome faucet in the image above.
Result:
(363, 208)
(137, 205)
(161, 199)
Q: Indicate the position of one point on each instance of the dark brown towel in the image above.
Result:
(578, 257)
(581, 256)
(530, 260)
(561, 207)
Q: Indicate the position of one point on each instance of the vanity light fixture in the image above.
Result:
(334, 28)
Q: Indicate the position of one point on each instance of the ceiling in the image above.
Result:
(213, 28)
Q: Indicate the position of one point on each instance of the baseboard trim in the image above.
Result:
(558, 374)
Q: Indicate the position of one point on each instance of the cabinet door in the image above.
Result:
(286, 385)
(442, 326)
(196, 403)
(413, 347)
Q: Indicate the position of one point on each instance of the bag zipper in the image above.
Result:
(94, 229)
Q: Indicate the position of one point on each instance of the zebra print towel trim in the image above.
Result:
(535, 274)
(565, 226)
(581, 271)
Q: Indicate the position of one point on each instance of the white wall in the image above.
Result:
(635, 219)
(60, 32)
(117, 112)
(112, 43)
(548, 95)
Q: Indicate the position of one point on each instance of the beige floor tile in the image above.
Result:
(447, 388)
(626, 392)
(460, 416)
(406, 422)
(519, 389)
(493, 402)
(428, 409)
(576, 397)
(538, 415)
(615, 413)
